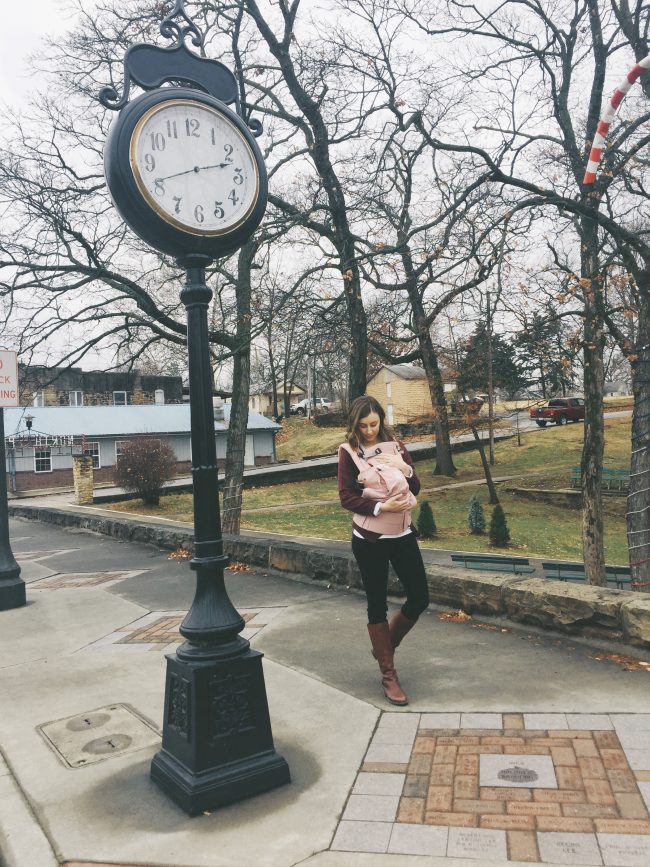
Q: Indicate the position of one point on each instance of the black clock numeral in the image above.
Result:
(199, 216)
(172, 131)
(178, 200)
(157, 141)
(150, 162)
(238, 178)
(160, 186)
(213, 137)
(192, 127)
(228, 148)
(234, 198)
(218, 210)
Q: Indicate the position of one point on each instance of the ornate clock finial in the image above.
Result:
(151, 66)
(171, 29)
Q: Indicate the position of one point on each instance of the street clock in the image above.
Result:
(185, 173)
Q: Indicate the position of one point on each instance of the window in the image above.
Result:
(119, 446)
(39, 399)
(92, 450)
(42, 460)
(119, 398)
(76, 398)
(159, 396)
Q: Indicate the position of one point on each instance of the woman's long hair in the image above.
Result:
(360, 408)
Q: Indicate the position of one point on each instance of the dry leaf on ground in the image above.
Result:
(629, 663)
(455, 616)
(179, 554)
(238, 567)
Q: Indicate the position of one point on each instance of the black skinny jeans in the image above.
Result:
(404, 555)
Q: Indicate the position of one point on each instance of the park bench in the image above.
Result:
(493, 563)
(613, 480)
(617, 576)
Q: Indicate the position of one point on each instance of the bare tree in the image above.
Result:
(558, 53)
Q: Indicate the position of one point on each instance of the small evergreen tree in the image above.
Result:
(143, 468)
(426, 521)
(499, 533)
(476, 517)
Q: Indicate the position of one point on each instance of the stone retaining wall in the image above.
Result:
(615, 615)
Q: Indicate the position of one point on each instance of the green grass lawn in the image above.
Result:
(300, 437)
(536, 529)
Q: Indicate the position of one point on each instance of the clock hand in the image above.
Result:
(216, 166)
(196, 169)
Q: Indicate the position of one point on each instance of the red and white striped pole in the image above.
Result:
(608, 116)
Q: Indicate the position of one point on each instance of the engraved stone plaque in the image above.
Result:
(534, 772)
(518, 774)
(480, 843)
(560, 848)
(633, 850)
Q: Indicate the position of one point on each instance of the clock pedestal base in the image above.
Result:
(217, 742)
(12, 593)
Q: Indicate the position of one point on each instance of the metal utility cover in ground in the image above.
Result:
(99, 734)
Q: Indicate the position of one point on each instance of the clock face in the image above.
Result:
(194, 167)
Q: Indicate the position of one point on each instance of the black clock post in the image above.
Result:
(217, 741)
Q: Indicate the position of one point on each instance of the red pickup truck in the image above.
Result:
(560, 410)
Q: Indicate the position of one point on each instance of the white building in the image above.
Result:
(40, 455)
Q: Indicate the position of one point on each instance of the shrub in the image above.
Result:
(499, 533)
(331, 419)
(143, 468)
(476, 517)
(426, 521)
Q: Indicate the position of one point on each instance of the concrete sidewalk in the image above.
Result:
(517, 748)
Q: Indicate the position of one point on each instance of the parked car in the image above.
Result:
(318, 403)
(560, 410)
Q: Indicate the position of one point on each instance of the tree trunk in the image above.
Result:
(318, 139)
(274, 379)
(494, 498)
(236, 446)
(444, 458)
(594, 386)
(638, 502)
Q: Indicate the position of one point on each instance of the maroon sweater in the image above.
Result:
(350, 490)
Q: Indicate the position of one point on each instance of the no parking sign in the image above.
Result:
(8, 378)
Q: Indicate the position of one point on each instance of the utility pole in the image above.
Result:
(490, 386)
(309, 388)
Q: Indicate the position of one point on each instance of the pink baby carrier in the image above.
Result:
(380, 482)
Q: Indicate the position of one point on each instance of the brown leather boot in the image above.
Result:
(383, 651)
(399, 626)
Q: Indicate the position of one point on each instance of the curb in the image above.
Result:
(22, 839)
(615, 616)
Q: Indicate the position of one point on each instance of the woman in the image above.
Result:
(377, 482)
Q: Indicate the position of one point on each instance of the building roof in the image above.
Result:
(406, 371)
(411, 371)
(108, 421)
(268, 389)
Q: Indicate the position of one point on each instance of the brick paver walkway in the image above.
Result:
(158, 630)
(81, 579)
(557, 788)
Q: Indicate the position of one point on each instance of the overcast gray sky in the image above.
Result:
(24, 25)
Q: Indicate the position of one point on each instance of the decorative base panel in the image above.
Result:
(195, 793)
(12, 594)
(217, 741)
